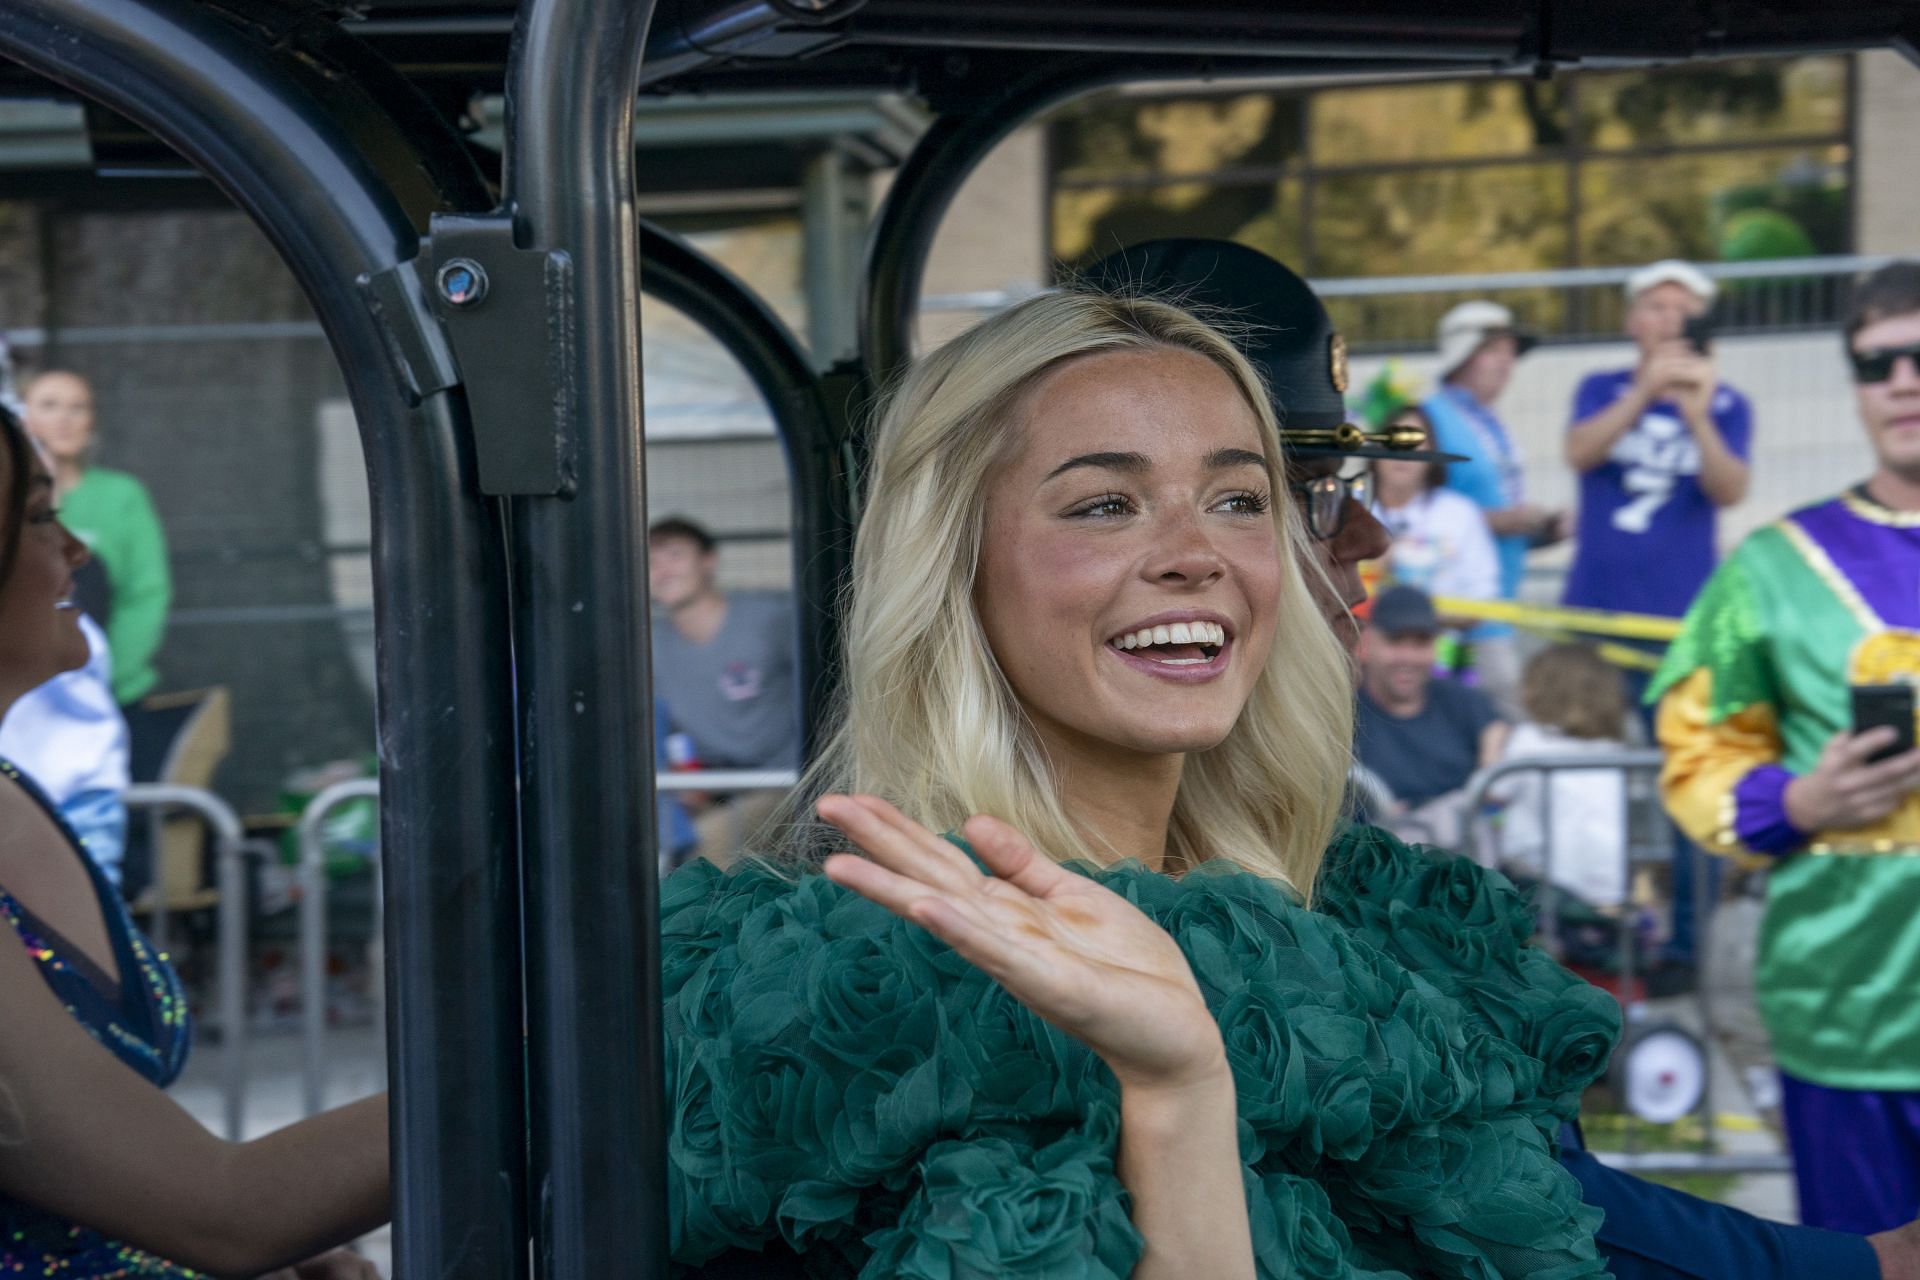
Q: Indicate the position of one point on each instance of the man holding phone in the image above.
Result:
(1659, 448)
(1768, 762)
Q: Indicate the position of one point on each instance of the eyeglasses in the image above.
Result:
(1877, 365)
(1323, 501)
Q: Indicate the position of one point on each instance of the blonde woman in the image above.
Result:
(1077, 1020)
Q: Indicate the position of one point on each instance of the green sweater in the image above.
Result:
(111, 513)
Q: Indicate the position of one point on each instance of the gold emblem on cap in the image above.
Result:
(1406, 436)
(1337, 359)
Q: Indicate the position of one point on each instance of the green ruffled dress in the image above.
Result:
(845, 1085)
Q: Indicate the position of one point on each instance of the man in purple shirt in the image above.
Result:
(1660, 448)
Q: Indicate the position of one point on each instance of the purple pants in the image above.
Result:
(1856, 1155)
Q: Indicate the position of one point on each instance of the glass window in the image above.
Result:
(1152, 138)
(1419, 221)
(1731, 206)
(1091, 222)
(1714, 103)
(1387, 123)
(1727, 161)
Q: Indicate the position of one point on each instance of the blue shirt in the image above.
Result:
(1652, 1232)
(1646, 532)
(1425, 755)
(69, 736)
(1491, 476)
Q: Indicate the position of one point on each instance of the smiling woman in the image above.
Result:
(1093, 1029)
(1084, 467)
(37, 562)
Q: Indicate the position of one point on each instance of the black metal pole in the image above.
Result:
(595, 1071)
(708, 294)
(316, 160)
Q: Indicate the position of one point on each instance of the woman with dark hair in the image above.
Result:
(1441, 543)
(101, 1174)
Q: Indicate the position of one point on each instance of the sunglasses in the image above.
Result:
(1877, 365)
(1323, 501)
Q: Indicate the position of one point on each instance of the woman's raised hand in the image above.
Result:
(1077, 954)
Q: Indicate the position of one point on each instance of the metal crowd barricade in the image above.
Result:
(313, 931)
(1652, 846)
(313, 903)
(231, 850)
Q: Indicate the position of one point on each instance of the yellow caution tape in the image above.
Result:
(1592, 622)
(1620, 655)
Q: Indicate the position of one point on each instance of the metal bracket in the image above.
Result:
(508, 314)
(412, 333)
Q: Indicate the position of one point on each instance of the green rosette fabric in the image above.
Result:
(844, 1083)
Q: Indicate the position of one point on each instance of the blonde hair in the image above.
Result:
(1571, 688)
(929, 721)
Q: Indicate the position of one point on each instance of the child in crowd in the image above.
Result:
(1576, 706)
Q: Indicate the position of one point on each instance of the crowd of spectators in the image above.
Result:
(1757, 705)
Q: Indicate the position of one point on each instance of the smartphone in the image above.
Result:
(1891, 705)
(1698, 331)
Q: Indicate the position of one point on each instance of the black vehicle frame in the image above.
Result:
(488, 328)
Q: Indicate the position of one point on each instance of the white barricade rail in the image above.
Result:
(231, 850)
(1645, 763)
(313, 903)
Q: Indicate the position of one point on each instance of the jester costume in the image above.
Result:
(846, 1089)
(1754, 688)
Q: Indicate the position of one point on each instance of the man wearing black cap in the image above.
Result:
(1285, 330)
(1649, 1232)
(1424, 738)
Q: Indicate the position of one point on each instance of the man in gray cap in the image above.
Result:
(1479, 346)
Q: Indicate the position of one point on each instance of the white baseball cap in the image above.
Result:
(1673, 271)
(1466, 328)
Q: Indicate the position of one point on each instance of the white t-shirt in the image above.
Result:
(1441, 545)
(1589, 816)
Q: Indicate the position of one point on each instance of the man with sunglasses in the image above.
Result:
(1650, 1232)
(1764, 766)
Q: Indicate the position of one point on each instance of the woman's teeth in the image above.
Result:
(1179, 633)
(1210, 636)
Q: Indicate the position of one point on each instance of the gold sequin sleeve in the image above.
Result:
(1707, 758)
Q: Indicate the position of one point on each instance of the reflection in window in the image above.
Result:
(1735, 161)
(1426, 221)
(1733, 206)
(1437, 120)
(1714, 103)
(1091, 222)
(1118, 137)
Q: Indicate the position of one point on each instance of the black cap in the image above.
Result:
(1403, 610)
(1282, 327)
